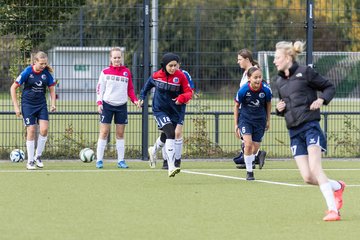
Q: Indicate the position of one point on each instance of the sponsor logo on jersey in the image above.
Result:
(248, 94)
(255, 104)
(31, 75)
(39, 84)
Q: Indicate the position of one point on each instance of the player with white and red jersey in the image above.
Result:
(113, 90)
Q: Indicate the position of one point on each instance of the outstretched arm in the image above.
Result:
(146, 88)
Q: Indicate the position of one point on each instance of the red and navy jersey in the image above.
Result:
(168, 89)
(35, 84)
(253, 103)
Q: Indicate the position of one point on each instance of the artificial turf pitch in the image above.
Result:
(207, 200)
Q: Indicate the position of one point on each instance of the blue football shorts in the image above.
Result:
(182, 115)
(32, 114)
(163, 119)
(312, 136)
(256, 130)
(119, 113)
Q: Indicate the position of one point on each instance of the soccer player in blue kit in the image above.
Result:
(172, 90)
(254, 118)
(160, 141)
(245, 60)
(35, 78)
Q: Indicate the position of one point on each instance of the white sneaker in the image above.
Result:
(173, 172)
(31, 165)
(38, 162)
(152, 157)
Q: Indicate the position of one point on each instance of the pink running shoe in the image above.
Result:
(332, 216)
(338, 196)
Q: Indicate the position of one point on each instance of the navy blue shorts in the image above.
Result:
(32, 114)
(119, 113)
(301, 141)
(182, 115)
(256, 131)
(163, 119)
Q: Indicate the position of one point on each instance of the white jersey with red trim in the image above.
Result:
(115, 86)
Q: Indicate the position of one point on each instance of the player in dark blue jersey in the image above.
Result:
(245, 60)
(254, 116)
(160, 141)
(36, 78)
(171, 91)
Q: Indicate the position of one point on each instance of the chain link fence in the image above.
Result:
(77, 35)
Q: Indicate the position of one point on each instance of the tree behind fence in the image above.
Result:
(207, 36)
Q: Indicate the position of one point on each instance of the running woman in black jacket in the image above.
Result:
(298, 88)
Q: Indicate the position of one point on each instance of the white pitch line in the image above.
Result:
(80, 171)
(160, 170)
(242, 179)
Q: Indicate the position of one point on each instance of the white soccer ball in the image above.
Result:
(87, 155)
(17, 155)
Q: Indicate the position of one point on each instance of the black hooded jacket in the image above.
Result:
(299, 91)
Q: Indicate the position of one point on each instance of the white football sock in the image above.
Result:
(40, 145)
(248, 162)
(178, 148)
(163, 152)
(158, 145)
(170, 153)
(101, 144)
(335, 185)
(120, 148)
(30, 147)
(328, 194)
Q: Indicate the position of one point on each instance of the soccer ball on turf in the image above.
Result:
(17, 155)
(87, 155)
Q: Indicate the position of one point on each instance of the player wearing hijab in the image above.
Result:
(160, 141)
(172, 90)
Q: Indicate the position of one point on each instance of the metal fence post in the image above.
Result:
(216, 128)
(309, 25)
(145, 111)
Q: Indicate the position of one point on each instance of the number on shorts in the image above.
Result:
(293, 150)
(243, 130)
(166, 119)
